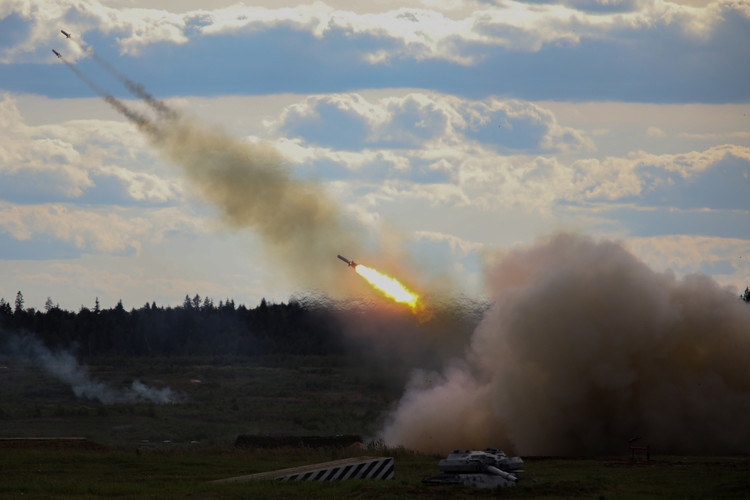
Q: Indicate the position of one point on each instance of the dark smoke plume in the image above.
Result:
(63, 366)
(135, 88)
(301, 227)
(135, 117)
(584, 348)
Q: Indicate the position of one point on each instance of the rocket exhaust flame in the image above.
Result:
(389, 286)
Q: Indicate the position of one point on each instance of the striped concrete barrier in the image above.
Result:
(337, 470)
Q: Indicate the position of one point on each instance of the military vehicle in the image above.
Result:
(488, 468)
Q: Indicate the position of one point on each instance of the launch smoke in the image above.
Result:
(584, 348)
(121, 108)
(135, 88)
(300, 226)
(64, 367)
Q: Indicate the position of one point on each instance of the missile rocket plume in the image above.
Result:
(390, 287)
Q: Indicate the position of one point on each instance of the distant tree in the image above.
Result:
(19, 303)
(5, 308)
(166, 331)
(97, 307)
(746, 296)
(197, 301)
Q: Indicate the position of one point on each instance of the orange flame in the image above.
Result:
(389, 286)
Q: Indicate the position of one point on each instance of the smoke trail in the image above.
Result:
(300, 226)
(584, 348)
(135, 88)
(133, 116)
(63, 366)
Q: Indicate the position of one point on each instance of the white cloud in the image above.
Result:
(419, 120)
(144, 27)
(655, 132)
(688, 164)
(143, 186)
(35, 162)
(67, 160)
(486, 180)
(461, 161)
(427, 32)
(103, 230)
(459, 246)
(694, 253)
(717, 136)
(434, 194)
(139, 26)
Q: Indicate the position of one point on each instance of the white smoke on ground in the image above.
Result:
(584, 348)
(64, 367)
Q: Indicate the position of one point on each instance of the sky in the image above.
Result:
(440, 131)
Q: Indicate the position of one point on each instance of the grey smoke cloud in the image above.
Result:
(301, 227)
(63, 366)
(583, 348)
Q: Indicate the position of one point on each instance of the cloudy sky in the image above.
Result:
(442, 129)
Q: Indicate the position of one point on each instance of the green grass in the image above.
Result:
(290, 395)
(273, 396)
(36, 473)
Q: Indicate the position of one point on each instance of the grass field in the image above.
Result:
(61, 473)
(145, 450)
(274, 396)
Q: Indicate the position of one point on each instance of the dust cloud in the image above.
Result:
(584, 348)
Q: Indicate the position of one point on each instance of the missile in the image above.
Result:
(349, 263)
(57, 54)
(65, 33)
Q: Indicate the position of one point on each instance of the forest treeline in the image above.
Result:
(198, 327)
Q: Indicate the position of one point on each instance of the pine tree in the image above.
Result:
(19, 303)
